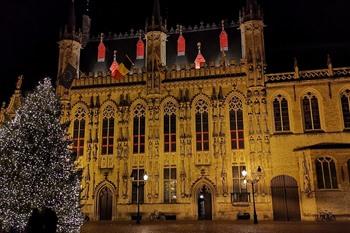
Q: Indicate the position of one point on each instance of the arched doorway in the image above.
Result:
(285, 199)
(105, 204)
(204, 202)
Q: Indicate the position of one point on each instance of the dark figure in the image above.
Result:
(49, 220)
(35, 222)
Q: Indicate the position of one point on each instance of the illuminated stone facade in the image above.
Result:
(194, 130)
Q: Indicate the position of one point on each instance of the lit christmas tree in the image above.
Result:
(37, 168)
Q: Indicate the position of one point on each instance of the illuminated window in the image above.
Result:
(169, 185)
(139, 129)
(239, 187)
(311, 112)
(326, 173)
(108, 130)
(137, 180)
(236, 124)
(202, 126)
(170, 127)
(280, 113)
(345, 104)
(79, 131)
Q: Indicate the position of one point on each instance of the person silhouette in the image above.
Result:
(35, 222)
(49, 218)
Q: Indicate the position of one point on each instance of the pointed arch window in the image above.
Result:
(139, 129)
(170, 127)
(108, 130)
(311, 112)
(280, 113)
(202, 126)
(345, 104)
(236, 123)
(326, 173)
(79, 131)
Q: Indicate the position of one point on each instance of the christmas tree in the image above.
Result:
(37, 167)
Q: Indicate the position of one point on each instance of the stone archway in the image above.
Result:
(204, 203)
(203, 193)
(105, 202)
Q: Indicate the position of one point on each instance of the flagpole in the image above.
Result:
(129, 59)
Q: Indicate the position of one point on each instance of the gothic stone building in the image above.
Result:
(193, 116)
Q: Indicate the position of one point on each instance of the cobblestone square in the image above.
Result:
(215, 227)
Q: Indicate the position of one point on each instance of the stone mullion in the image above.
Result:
(90, 152)
(222, 151)
(94, 114)
(188, 146)
(123, 150)
(182, 125)
(259, 135)
(153, 150)
(216, 144)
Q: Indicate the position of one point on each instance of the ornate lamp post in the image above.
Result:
(253, 180)
(145, 178)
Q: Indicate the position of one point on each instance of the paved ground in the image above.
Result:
(215, 227)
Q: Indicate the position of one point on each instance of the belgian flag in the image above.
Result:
(125, 64)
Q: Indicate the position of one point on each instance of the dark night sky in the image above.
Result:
(306, 29)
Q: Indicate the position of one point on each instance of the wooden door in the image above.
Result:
(204, 204)
(285, 199)
(105, 204)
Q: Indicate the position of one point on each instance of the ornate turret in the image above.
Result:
(253, 59)
(16, 101)
(69, 53)
(252, 35)
(155, 50)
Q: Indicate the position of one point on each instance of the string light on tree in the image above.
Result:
(36, 166)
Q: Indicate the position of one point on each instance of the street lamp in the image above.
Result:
(254, 180)
(145, 178)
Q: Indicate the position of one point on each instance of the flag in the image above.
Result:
(125, 65)
(68, 75)
(115, 70)
(199, 61)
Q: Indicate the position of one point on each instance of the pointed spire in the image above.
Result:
(181, 44)
(330, 65)
(71, 18)
(19, 82)
(156, 20)
(223, 38)
(296, 68)
(87, 7)
(199, 59)
(140, 48)
(251, 11)
(70, 27)
(101, 51)
(86, 25)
